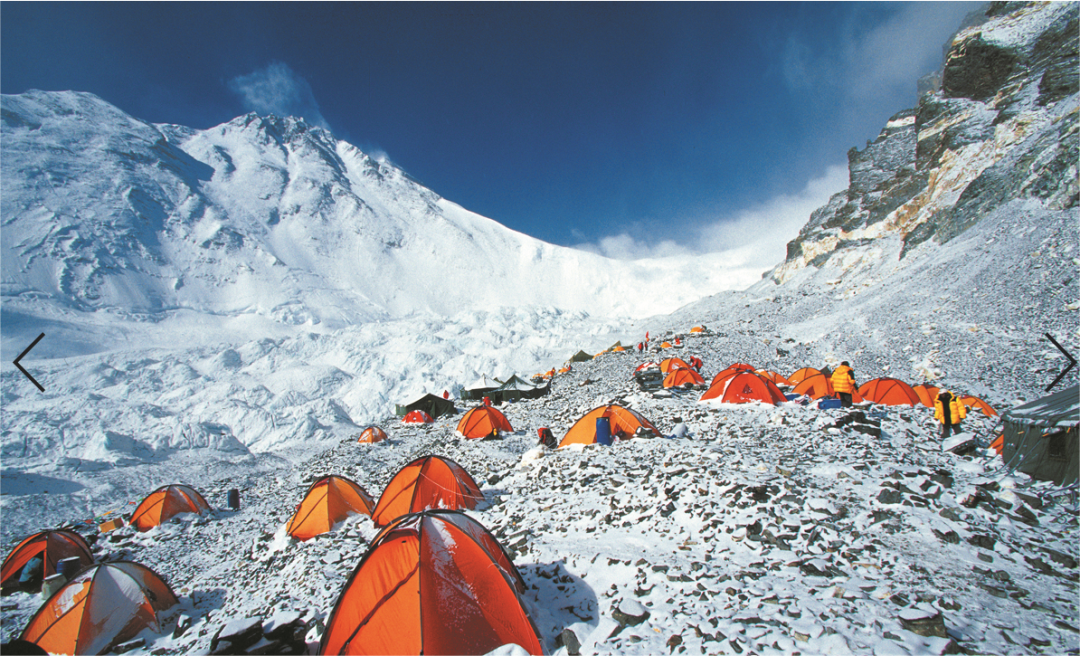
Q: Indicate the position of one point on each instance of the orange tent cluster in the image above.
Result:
(435, 582)
(328, 501)
(165, 503)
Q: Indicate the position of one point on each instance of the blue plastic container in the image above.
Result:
(603, 431)
(828, 404)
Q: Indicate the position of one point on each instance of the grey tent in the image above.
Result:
(515, 389)
(1041, 437)
(436, 406)
(580, 356)
(479, 388)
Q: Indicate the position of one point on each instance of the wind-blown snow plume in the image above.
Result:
(277, 89)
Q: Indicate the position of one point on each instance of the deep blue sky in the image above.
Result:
(569, 122)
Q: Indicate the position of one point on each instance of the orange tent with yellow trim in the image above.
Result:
(889, 391)
(435, 582)
(372, 434)
(927, 393)
(802, 374)
(101, 607)
(976, 402)
(328, 501)
(673, 363)
(427, 482)
(165, 503)
(680, 377)
(482, 421)
(744, 387)
(624, 423)
(53, 546)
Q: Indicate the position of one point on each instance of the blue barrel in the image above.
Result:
(234, 499)
(603, 431)
(68, 567)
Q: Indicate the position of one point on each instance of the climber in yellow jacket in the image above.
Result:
(950, 412)
(843, 383)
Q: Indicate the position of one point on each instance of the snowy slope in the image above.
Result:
(271, 220)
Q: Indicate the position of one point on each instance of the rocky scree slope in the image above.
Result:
(958, 234)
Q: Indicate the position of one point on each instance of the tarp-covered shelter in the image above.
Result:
(515, 389)
(434, 406)
(165, 503)
(328, 501)
(52, 547)
(427, 482)
(479, 388)
(1041, 437)
(623, 423)
(482, 422)
(435, 582)
(101, 607)
(580, 356)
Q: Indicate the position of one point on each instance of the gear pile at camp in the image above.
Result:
(749, 514)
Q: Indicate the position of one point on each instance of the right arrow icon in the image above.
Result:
(1072, 362)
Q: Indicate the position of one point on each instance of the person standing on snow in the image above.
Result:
(950, 412)
(843, 383)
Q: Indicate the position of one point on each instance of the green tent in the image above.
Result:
(581, 356)
(1041, 437)
(436, 406)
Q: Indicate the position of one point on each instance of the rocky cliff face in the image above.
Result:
(1001, 126)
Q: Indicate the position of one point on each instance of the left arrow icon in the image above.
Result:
(25, 372)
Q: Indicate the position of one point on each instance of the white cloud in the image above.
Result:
(277, 89)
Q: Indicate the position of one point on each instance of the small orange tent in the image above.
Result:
(482, 421)
(53, 546)
(776, 378)
(665, 345)
(673, 363)
(744, 387)
(427, 482)
(889, 391)
(802, 374)
(371, 435)
(165, 503)
(927, 393)
(417, 417)
(681, 377)
(976, 402)
(101, 607)
(328, 501)
(435, 582)
(998, 444)
(624, 423)
(697, 329)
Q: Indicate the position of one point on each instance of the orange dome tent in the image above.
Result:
(101, 607)
(673, 363)
(665, 345)
(976, 402)
(480, 422)
(927, 393)
(816, 386)
(802, 374)
(889, 391)
(165, 503)
(417, 417)
(371, 435)
(624, 422)
(776, 378)
(733, 370)
(427, 482)
(697, 329)
(744, 387)
(435, 582)
(681, 377)
(328, 501)
(53, 546)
